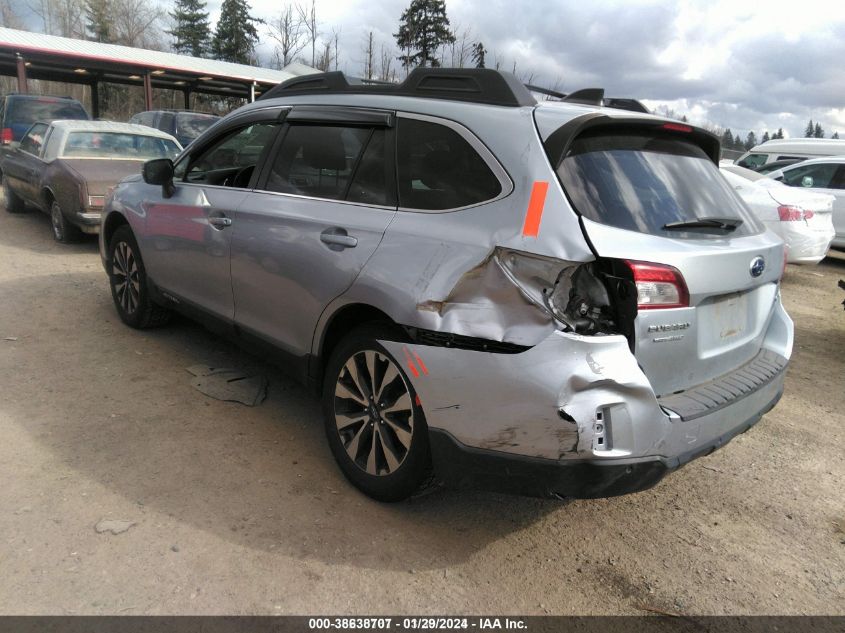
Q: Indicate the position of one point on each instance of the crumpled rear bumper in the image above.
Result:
(573, 416)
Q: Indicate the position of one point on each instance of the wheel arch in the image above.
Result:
(113, 222)
(339, 324)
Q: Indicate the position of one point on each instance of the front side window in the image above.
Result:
(34, 139)
(644, 182)
(753, 161)
(232, 159)
(439, 169)
(319, 161)
(819, 175)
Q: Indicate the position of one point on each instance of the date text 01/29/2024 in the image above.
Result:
(419, 623)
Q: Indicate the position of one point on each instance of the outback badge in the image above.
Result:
(758, 265)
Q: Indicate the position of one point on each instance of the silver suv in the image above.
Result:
(558, 299)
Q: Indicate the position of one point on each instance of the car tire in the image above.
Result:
(397, 463)
(130, 288)
(63, 231)
(13, 203)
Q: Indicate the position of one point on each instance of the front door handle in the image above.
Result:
(220, 221)
(338, 239)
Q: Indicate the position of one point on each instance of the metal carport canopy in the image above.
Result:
(48, 57)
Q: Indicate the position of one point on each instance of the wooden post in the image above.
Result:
(95, 99)
(22, 84)
(148, 91)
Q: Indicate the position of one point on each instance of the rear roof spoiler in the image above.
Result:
(559, 141)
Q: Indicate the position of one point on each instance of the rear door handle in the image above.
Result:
(220, 221)
(338, 239)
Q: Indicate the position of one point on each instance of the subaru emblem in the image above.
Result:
(758, 265)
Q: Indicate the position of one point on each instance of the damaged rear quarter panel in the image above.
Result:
(512, 402)
(433, 270)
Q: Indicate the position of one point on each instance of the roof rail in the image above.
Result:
(476, 85)
(593, 96)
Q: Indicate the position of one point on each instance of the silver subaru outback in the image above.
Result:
(558, 299)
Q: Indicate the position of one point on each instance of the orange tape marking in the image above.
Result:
(534, 214)
(411, 365)
(421, 364)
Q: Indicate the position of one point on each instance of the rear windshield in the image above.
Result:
(28, 111)
(192, 125)
(118, 145)
(644, 182)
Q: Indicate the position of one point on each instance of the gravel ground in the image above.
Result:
(241, 510)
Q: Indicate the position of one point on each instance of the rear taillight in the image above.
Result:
(659, 286)
(6, 136)
(793, 214)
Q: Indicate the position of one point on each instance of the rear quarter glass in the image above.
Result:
(643, 181)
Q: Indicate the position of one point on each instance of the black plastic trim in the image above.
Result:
(458, 341)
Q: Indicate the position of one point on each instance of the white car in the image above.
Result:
(803, 219)
(824, 175)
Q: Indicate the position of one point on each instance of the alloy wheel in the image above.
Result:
(374, 413)
(127, 285)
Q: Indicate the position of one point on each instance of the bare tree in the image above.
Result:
(386, 73)
(369, 57)
(137, 24)
(324, 61)
(288, 31)
(461, 48)
(336, 39)
(61, 17)
(308, 19)
(9, 16)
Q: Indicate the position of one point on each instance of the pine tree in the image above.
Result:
(818, 132)
(423, 28)
(808, 131)
(835, 135)
(99, 24)
(750, 140)
(191, 32)
(737, 144)
(478, 53)
(727, 138)
(779, 133)
(235, 35)
(765, 136)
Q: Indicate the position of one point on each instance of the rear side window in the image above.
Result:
(438, 169)
(644, 182)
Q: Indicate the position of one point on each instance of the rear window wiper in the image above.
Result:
(722, 224)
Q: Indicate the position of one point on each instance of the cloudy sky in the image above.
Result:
(746, 65)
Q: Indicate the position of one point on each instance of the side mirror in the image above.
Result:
(807, 181)
(159, 171)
